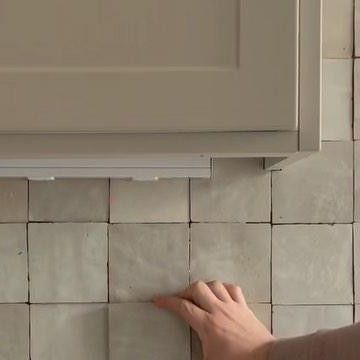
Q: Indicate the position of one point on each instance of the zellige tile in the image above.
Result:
(239, 191)
(233, 253)
(317, 189)
(69, 331)
(357, 28)
(337, 104)
(357, 181)
(69, 200)
(13, 263)
(357, 97)
(292, 321)
(357, 261)
(68, 262)
(141, 331)
(14, 332)
(338, 28)
(312, 264)
(160, 201)
(13, 201)
(147, 260)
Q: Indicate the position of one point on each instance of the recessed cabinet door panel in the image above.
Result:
(148, 65)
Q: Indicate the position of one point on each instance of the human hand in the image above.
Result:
(218, 312)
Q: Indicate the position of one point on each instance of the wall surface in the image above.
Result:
(290, 238)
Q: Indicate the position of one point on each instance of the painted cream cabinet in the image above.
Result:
(156, 88)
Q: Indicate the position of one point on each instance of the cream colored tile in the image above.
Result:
(13, 264)
(291, 321)
(357, 99)
(14, 332)
(312, 264)
(69, 200)
(357, 262)
(338, 28)
(357, 313)
(357, 181)
(318, 189)
(69, 331)
(337, 102)
(239, 191)
(13, 200)
(149, 201)
(262, 312)
(68, 262)
(147, 260)
(141, 331)
(357, 28)
(234, 253)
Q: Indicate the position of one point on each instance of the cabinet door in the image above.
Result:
(148, 65)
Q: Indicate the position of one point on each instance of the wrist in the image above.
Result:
(264, 351)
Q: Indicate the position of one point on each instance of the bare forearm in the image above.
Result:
(337, 344)
(229, 330)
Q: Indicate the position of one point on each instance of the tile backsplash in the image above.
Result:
(290, 238)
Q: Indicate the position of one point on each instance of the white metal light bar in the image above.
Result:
(132, 168)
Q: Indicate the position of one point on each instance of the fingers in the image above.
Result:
(200, 294)
(187, 310)
(236, 293)
(219, 290)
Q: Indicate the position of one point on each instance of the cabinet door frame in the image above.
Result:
(310, 85)
(278, 148)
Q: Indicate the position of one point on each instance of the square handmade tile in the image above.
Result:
(357, 313)
(338, 28)
(13, 200)
(141, 331)
(13, 263)
(357, 99)
(68, 262)
(337, 102)
(234, 253)
(312, 264)
(69, 331)
(291, 321)
(69, 200)
(357, 28)
(318, 189)
(147, 260)
(357, 181)
(149, 201)
(14, 332)
(357, 262)
(262, 312)
(238, 191)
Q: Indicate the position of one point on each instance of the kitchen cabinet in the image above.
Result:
(156, 88)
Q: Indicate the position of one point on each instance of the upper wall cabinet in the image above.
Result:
(162, 67)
